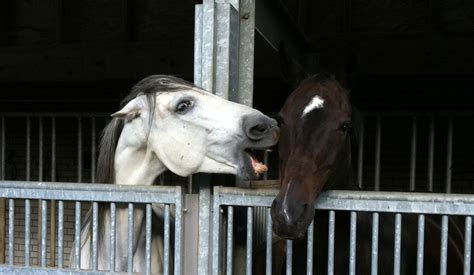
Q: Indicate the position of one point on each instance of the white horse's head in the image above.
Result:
(190, 130)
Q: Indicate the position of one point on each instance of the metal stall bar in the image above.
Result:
(289, 257)
(431, 142)
(40, 202)
(166, 260)
(331, 237)
(249, 241)
(79, 149)
(60, 234)
(11, 231)
(148, 239)
(77, 235)
(309, 249)
(44, 219)
(93, 149)
(113, 236)
(27, 231)
(398, 244)
(268, 252)
(206, 21)
(52, 238)
(230, 237)
(378, 140)
(375, 244)
(414, 130)
(449, 155)
(360, 154)
(130, 239)
(95, 229)
(420, 249)
(443, 264)
(467, 245)
(353, 242)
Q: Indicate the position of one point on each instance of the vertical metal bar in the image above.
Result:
(443, 264)
(331, 235)
(309, 256)
(53, 149)
(216, 235)
(60, 234)
(95, 226)
(269, 235)
(11, 231)
(77, 235)
(44, 220)
(375, 243)
(148, 239)
(53, 203)
(378, 134)
(467, 245)
(79, 149)
(449, 155)
(40, 178)
(420, 249)
(208, 45)
(166, 260)
(431, 141)
(289, 257)
(93, 149)
(27, 232)
(198, 45)
(28, 148)
(249, 240)
(353, 243)
(246, 51)
(40, 149)
(130, 238)
(112, 236)
(230, 239)
(413, 153)
(360, 155)
(398, 244)
(178, 235)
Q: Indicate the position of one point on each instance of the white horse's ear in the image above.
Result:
(132, 110)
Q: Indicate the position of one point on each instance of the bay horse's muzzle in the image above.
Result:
(291, 214)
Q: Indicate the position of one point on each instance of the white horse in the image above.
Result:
(169, 124)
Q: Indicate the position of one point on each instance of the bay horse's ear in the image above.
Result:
(292, 71)
(131, 110)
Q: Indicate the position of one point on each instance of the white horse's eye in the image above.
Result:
(183, 106)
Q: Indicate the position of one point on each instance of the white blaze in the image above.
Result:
(316, 103)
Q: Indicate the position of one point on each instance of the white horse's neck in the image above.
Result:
(135, 164)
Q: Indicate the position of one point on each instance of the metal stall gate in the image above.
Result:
(148, 196)
(399, 203)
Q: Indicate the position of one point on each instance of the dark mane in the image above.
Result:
(149, 86)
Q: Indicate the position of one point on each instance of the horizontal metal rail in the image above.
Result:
(88, 192)
(370, 201)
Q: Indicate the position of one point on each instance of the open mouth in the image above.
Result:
(258, 167)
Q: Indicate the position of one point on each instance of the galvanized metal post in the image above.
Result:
(224, 43)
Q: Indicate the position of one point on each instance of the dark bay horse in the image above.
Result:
(317, 125)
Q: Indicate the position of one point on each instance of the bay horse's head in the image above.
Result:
(314, 149)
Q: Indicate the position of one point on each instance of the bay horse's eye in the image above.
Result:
(345, 126)
(183, 106)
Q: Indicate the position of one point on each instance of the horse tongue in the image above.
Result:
(258, 167)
